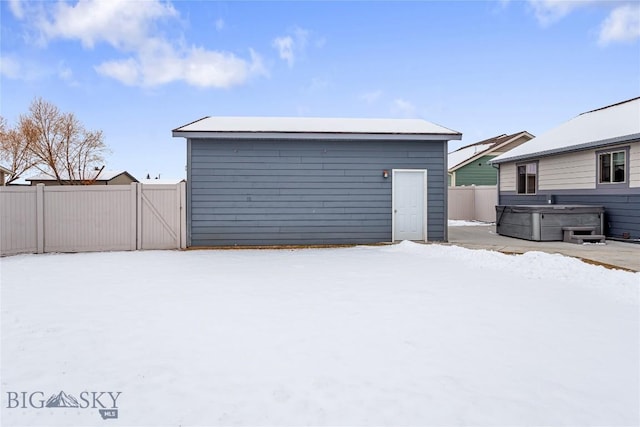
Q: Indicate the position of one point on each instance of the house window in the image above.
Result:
(612, 167)
(527, 177)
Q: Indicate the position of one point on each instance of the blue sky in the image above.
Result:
(137, 69)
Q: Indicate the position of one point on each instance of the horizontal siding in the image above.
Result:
(508, 177)
(478, 172)
(304, 192)
(622, 212)
(567, 171)
(572, 171)
(634, 165)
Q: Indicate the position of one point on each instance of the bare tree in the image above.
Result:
(14, 151)
(60, 145)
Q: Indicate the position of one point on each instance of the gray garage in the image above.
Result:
(281, 181)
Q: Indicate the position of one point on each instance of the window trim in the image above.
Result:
(611, 151)
(535, 190)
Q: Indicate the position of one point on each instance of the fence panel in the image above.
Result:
(18, 220)
(486, 199)
(91, 218)
(461, 203)
(473, 203)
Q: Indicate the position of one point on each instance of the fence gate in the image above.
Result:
(160, 217)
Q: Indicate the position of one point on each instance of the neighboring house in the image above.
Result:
(592, 159)
(278, 180)
(103, 177)
(5, 174)
(470, 165)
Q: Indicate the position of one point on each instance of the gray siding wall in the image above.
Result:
(271, 192)
(622, 211)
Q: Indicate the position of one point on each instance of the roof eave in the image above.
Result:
(579, 147)
(318, 135)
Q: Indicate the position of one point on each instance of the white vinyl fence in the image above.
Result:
(90, 218)
(473, 203)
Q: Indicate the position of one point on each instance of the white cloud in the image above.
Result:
(622, 25)
(292, 45)
(371, 97)
(16, 8)
(125, 71)
(131, 27)
(9, 67)
(549, 11)
(121, 23)
(220, 24)
(285, 49)
(161, 64)
(403, 108)
(301, 36)
(64, 72)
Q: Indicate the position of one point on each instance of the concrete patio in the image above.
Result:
(614, 254)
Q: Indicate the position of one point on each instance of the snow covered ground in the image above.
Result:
(389, 335)
(464, 223)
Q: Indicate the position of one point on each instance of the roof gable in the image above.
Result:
(470, 153)
(608, 125)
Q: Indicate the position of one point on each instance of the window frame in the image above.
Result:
(611, 152)
(537, 178)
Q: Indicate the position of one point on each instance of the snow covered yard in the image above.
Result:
(391, 335)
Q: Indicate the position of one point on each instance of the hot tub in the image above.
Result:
(545, 222)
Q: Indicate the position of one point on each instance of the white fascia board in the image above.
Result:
(579, 147)
(316, 136)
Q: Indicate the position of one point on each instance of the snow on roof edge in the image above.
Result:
(319, 125)
(608, 125)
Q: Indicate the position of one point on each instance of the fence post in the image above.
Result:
(475, 205)
(40, 218)
(183, 214)
(135, 216)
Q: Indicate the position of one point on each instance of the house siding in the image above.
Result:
(123, 179)
(270, 192)
(507, 177)
(478, 172)
(634, 165)
(571, 171)
(567, 171)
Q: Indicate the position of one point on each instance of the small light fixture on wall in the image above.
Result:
(385, 174)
